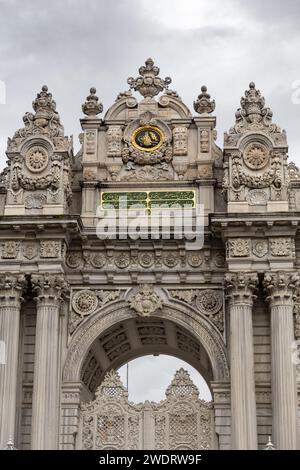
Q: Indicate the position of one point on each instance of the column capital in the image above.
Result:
(240, 287)
(49, 287)
(281, 287)
(12, 286)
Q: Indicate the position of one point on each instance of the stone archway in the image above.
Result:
(174, 322)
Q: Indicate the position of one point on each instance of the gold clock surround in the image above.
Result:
(152, 136)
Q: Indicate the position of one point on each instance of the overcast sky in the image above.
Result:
(71, 45)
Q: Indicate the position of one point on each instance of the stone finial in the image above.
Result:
(45, 121)
(92, 105)
(204, 104)
(253, 114)
(269, 445)
(148, 83)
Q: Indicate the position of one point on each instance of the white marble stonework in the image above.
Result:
(75, 307)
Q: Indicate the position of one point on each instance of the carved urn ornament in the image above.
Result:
(148, 84)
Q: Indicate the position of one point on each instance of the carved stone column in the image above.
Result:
(11, 287)
(280, 290)
(49, 291)
(240, 292)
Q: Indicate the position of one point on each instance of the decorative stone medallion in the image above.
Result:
(74, 259)
(256, 156)
(194, 259)
(122, 261)
(147, 138)
(36, 159)
(260, 248)
(146, 260)
(85, 302)
(209, 302)
(98, 260)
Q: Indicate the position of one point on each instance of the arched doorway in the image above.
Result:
(114, 336)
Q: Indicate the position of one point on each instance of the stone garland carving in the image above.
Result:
(208, 302)
(270, 177)
(180, 134)
(145, 302)
(85, 302)
(114, 137)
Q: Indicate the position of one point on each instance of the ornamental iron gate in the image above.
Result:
(181, 421)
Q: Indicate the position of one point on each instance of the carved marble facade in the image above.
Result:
(74, 307)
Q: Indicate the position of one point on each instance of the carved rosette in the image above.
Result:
(241, 287)
(146, 302)
(85, 302)
(281, 287)
(208, 302)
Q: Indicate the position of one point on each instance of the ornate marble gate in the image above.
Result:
(181, 421)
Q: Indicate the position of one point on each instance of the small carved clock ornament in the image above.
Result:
(147, 138)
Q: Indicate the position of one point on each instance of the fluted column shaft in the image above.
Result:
(10, 305)
(240, 289)
(280, 288)
(45, 407)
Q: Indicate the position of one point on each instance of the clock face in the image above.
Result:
(147, 138)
